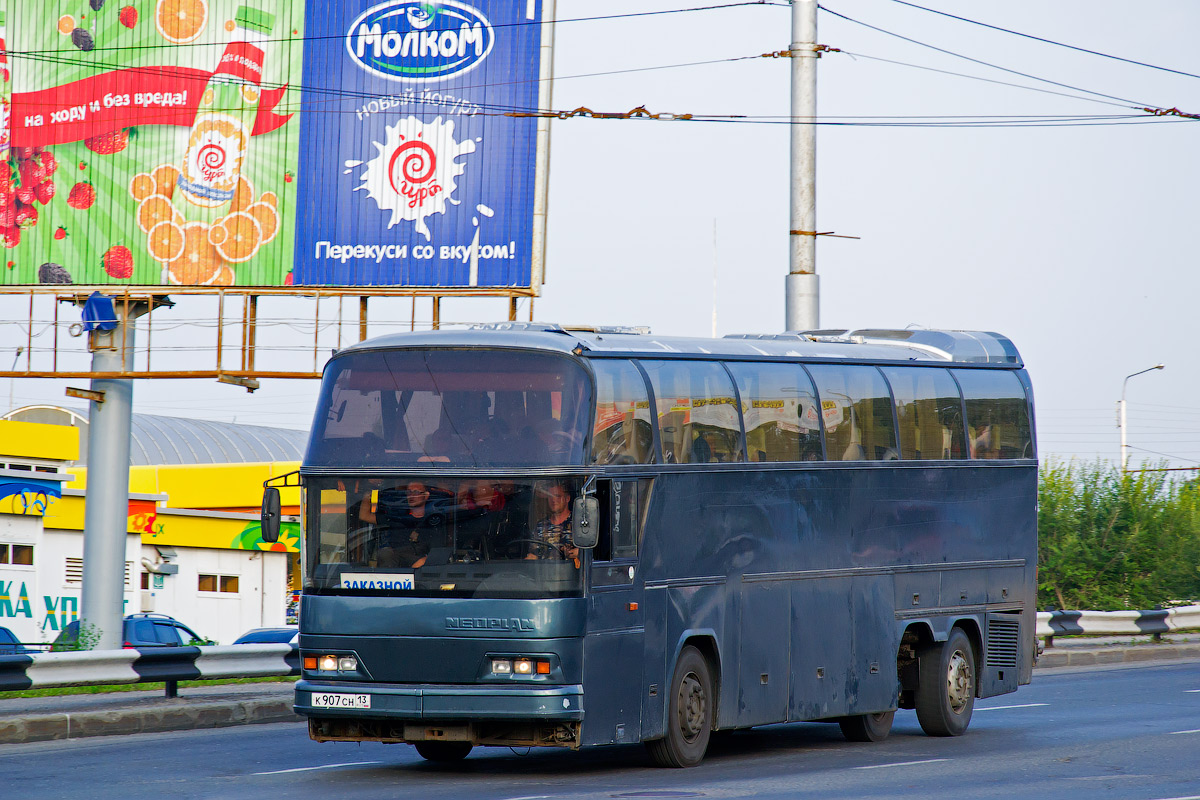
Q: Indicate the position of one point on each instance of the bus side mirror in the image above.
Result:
(270, 515)
(585, 522)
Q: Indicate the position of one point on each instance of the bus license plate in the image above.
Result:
(340, 700)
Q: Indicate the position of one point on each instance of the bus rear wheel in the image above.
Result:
(867, 727)
(945, 695)
(689, 713)
(443, 751)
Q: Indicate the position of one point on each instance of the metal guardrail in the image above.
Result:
(1119, 623)
(148, 665)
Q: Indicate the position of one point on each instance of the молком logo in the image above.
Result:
(407, 40)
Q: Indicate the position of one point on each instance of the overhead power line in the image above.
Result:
(1048, 41)
(1131, 103)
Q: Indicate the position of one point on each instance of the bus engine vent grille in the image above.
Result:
(1002, 642)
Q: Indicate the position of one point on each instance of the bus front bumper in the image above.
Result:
(317, 699)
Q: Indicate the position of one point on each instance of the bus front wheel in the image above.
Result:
(443, 751)
(867, 727)
(945, 695)
(689, 714)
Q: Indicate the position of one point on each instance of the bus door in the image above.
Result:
(614, 648)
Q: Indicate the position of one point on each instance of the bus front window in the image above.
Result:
(459, 408)
(430, 535)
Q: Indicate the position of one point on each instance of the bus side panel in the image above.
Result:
(655, 669)
(822, 624)
(764, 637)
(872, 683)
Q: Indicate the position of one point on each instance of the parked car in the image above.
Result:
(287, 635)
(10, 646)
(140, 630)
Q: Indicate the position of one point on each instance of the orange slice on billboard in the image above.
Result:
(181, 21)
(142, 186)
(165, 242)
(224, 277)
(243, 240)
(243, 194)
(199, 261)
(66, 24)
(270, 198)
(217, 234)
(165, 177)
(268, 220)
(155, 209)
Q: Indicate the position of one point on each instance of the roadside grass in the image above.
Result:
(133, 687)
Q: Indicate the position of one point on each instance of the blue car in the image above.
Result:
(10, 646)
(140, 630)
(286, 635)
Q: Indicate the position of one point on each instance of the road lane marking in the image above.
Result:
(1191, 691)
(904, 763)
(1176, 733)
(1189, 797)
(324, 766)
(1003, 708)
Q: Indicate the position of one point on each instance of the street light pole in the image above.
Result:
(1121, 423)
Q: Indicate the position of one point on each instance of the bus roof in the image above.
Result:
(869, 345)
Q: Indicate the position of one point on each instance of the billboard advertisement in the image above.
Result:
(268, 143)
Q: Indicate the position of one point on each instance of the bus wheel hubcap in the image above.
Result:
(692, 707)
(958, 681)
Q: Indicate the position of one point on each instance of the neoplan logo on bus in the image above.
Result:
(406, 40)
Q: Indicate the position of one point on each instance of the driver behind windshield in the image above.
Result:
(552, 535)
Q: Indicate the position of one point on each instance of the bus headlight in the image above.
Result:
(347, 664)
(327, 663)
(520, 666)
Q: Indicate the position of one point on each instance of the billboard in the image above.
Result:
(269, 143)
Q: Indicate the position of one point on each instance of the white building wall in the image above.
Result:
(43, 598)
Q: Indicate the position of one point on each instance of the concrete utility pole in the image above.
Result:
(106, 515)
(802, 296)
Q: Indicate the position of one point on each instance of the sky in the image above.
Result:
(1077, 241)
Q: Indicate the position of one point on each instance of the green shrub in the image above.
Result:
(1108, 541)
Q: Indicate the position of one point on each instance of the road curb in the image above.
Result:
(154, 719)
(1088, 657)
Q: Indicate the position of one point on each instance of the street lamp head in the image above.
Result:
(1160, 366)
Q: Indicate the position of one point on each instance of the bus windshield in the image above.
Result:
(429, 535)
(461, 408)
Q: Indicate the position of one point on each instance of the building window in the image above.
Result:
(19, 554)
(218, 583)
(145, 580)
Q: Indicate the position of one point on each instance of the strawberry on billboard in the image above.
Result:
(244, 143)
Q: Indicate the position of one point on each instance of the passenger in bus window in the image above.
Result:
(553, 533)
(407, 535)
(982, 443)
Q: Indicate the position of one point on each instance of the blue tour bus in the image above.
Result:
(524, 535)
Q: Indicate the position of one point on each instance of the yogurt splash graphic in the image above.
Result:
(415, 171)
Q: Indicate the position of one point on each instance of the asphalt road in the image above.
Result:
(1129, 732)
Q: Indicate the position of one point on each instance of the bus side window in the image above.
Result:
(621, 433)
(697, 412)
(857, 409)
(779, 407)
(997, 414)
(620, 520)
(929, 410)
